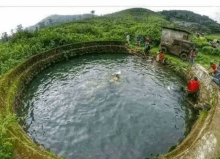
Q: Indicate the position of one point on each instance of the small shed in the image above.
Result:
(168, 34)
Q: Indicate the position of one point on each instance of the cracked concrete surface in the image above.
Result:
(206, 147)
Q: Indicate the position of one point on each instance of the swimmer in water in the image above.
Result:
(116, 77)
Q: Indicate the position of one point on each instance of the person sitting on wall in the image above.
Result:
(192, 56)
(193, 89)
(212, 68)
(160, 56)
(218, 69)
(217, 75)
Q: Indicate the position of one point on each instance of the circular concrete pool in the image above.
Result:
(77, 111)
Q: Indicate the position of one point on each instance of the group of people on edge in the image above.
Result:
(139, 39)
(193, 85)
(213, 70)
(147, 48)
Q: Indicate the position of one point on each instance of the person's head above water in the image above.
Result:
(117, 75)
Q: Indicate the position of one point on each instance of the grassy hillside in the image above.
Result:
(56, 19)
(192, 21)
(110, 27)
(207, 53)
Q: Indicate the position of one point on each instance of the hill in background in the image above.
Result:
(192, 21)
(57, 19)
(181, 19)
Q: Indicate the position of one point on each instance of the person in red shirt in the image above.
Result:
(193, 88)
(161, 58)
(213, 68)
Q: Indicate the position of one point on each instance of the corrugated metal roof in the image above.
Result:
(177, 29)
(186, 41)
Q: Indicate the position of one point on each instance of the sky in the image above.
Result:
(29, 12)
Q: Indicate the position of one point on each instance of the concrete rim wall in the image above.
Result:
(15, 81)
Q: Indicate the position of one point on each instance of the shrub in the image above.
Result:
(6, 144)
(200, 43)
(210, 50)
(212, 37)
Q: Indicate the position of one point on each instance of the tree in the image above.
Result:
(50, 21)
(4, 37)
(93, 12)
(19, 28)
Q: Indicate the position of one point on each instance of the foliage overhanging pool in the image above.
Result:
(73, 109)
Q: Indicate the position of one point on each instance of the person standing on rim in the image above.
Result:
(193, 89)
(217, 75)
(147, 40)
(128, 39)
(212, 69)
(192, 56)
(147, 45)
(138, 39)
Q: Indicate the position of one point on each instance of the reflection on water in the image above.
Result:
(74, 109)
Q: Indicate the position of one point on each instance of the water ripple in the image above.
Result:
(74, 109)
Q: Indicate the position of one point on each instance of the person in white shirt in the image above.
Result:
(128, 39)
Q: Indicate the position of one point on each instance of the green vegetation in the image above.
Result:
(206, 53)
(6, 143)
(203, 114)
(177, 64)
(110, 27)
